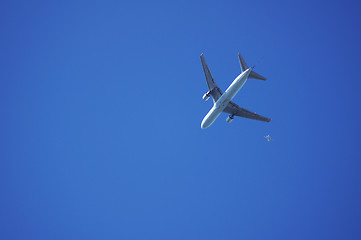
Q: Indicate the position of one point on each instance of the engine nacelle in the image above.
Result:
(229, 118)
(206, 96)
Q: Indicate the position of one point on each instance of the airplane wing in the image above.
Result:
(212, 86)
(234, 109)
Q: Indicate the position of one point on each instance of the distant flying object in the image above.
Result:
(222, 102)
(268, 137)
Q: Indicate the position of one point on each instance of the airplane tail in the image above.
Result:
(244, 67)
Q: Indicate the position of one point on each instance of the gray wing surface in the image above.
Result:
(234, 109)
(212, 86)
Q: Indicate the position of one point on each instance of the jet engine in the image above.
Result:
(230, 118)
(206, 96)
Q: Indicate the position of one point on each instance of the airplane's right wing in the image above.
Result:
(212, 86)
(234, 109)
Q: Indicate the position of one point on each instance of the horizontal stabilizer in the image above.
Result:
(244, 67)
(255, 75)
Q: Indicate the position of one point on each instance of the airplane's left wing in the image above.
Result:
(212, 86)
(234, 109)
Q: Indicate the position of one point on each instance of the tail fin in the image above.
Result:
(244, 67)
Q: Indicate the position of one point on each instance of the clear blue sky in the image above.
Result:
(101, 105)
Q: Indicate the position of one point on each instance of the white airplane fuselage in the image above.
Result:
(226, 97)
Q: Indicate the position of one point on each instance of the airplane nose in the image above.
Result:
(203, 125)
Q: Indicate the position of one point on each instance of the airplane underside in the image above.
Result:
(222, 101)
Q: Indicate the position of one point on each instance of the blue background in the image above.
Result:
(101, 108)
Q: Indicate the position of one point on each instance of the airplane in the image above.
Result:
(222, 101)
(268, 137)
